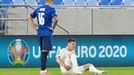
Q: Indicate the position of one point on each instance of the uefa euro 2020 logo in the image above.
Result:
(18, 52)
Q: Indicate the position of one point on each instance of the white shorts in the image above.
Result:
(77, 70)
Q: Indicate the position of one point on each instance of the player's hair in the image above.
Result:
(71, 40)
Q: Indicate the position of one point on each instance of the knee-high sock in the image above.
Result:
(93, 69)
(43, 60)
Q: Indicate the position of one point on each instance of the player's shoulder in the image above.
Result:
(52, 8)
(38, 9)
(41, 8)
(62, 50)
(49, 8)
(44, 7)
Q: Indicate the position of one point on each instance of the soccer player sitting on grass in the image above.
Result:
(68, 61)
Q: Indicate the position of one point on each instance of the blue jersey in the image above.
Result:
(44, 16)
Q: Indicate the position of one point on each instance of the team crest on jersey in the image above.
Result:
(18, 52)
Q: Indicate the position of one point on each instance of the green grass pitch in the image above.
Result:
(56, 71)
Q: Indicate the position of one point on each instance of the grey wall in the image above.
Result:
(76, 21)
(115, 21)
(83, 21)
(17, 27)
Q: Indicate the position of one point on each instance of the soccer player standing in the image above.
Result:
(45, 14)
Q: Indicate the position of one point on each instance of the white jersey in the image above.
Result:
(70, 61)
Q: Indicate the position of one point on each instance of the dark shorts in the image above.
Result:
(45, 43)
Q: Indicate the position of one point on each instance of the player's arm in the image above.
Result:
(55, 23)
(31, 21)
(60, 62)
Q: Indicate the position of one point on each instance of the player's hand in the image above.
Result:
(67, 67)
(36, 28)
(52, 29)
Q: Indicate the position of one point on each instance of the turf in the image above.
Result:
(56, 71)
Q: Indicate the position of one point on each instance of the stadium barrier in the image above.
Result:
(98, 20)
(101, 50)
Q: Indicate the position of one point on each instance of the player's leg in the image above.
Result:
(92, 69)
(45, 43)
(43, 62)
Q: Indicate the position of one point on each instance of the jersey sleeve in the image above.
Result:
(53, 12)
(34, 14)
(61, 52)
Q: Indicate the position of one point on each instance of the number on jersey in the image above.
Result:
(41, 18)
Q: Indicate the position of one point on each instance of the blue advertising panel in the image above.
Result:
(24, 51)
